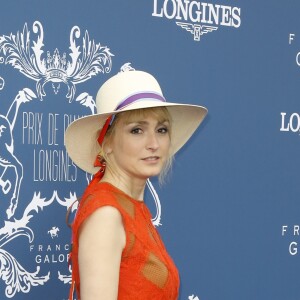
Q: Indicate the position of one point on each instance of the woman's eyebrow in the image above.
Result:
(141, 122)
(136, 122)
(164, 122)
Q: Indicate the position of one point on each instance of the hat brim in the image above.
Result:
(81, 135)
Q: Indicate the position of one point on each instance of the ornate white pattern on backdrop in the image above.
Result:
(26, 56)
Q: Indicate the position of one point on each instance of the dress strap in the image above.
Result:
(71, 293)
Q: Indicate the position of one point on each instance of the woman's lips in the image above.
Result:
(151, 158)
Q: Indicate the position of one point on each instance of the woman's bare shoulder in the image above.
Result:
(104, 220)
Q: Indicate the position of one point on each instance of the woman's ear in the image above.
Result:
(108, 150)
(107, 147)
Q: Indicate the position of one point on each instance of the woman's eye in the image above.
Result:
(163, 130)
(136, 130)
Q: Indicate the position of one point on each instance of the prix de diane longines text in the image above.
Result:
(45, 132)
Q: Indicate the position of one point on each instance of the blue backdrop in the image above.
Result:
(230, 212)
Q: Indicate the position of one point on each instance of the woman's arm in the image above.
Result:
(101, 241)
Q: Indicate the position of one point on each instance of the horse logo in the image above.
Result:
(53, 232)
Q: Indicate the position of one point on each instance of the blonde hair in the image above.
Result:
(161, 113)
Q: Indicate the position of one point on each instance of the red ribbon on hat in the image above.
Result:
(99, 162)
(104, 130)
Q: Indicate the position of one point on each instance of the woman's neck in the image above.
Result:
(134, 187)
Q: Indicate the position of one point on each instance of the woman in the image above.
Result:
(117, 253)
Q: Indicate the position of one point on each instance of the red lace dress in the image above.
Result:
(146, 271)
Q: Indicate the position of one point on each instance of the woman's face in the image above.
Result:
(139, 146)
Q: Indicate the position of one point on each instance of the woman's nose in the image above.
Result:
(152, 141)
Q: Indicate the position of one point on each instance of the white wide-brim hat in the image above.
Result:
(127, 91)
